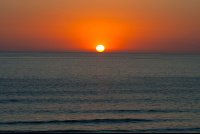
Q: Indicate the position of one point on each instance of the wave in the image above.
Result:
(114, 111)
(135, 111)
(81, 121)
(170, 130)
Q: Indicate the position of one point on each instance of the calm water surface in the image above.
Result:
(99, 92)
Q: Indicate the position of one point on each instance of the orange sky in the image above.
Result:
(136, 26)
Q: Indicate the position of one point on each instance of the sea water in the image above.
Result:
(99, 92)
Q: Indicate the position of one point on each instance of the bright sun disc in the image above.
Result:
(100, 48)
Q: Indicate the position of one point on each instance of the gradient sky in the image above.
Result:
(136, 26)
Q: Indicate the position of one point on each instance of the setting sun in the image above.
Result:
(100, 48)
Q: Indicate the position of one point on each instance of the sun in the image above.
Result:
(100, 48)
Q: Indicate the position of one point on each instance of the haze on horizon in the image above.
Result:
(136, 26)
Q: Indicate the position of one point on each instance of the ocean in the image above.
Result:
(99, 92)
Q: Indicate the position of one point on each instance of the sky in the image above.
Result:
(124, 26)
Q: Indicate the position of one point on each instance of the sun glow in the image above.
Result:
(100, 48)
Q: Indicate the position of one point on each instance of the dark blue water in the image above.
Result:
(99, 92)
